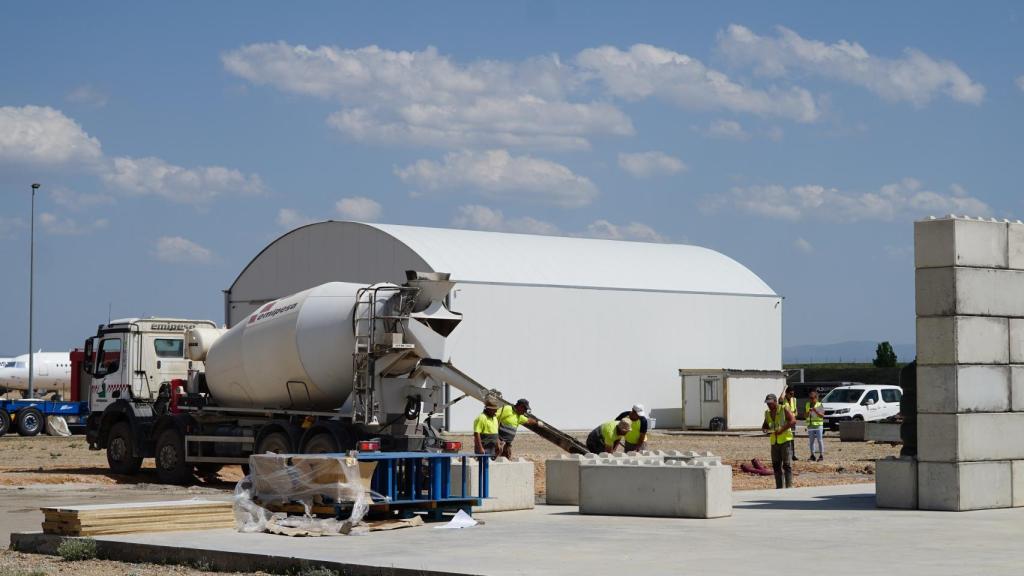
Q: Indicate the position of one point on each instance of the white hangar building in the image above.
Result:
(583, 328)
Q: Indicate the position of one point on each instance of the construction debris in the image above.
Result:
(128, 518)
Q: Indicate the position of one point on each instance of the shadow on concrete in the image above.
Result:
(839, 502)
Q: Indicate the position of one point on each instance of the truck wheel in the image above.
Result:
(208, 468)
(5, 422)
(171, 466)
(119, 450)
(322, 443)
(275, 443)
(30, 422)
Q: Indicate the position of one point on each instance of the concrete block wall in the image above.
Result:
(562, 474)
(510, 481)
(635, 487)
(970, 374)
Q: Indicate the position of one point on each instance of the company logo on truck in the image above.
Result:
(269, 311)
(171, 327)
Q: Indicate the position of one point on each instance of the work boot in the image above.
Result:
(813, 459)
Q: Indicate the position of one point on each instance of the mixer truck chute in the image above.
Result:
(313, 372)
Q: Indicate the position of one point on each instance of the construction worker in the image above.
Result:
(636, 439)
(790, 402)
(815, 426)
(608, 436)
(485, 430)
(509, 420)
(779, 423)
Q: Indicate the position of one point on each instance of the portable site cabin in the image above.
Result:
(583, 328)
(728, 399)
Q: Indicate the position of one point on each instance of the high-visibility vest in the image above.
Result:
(633, 436)
(507, 416)
(791, 404)
(813, 420)
(485, 425)
(610, 433)
(774, 424)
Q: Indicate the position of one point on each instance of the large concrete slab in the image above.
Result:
(510, 483)
(1017, 388)
(963, 389)
(896, 483)
(960, 242)
(669, 489)
(1015, 242)
(970, 437)
(1017, 340)
(555, 540)
(969, 292)
(963, 340)
(1017, 471)
(964, 486)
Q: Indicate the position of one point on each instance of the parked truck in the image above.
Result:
(337, 367)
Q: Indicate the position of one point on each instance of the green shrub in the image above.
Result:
(74, 549)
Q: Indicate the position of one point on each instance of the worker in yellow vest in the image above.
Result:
(790, 402)
(608, 436)
(815, 419)
(485, 430)
(509, 420)
(636, 439)
(779, 423)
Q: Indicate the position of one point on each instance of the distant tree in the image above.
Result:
(885, 356)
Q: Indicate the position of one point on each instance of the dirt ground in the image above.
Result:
(18, 564)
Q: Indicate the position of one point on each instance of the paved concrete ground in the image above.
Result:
(838, 528)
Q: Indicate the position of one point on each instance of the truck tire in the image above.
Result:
(119, 450)
(276, 443)
(208, 468)
(5, 422)
(30, 422)
(323, 443)
(171, 467)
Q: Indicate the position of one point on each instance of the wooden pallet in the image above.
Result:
(102, 519)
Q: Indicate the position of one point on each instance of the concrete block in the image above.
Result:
(562, 479)
(969, 292)
(1017, 340)
(1015, 245)
(510, 481)
(960, 242)
(970, 437)
(882, 432)
(1017, 472)
(963, 389)
(851, 431)
(896, 483)
(963, 340)
(1017, 388)
(964, 485)
(669, 489)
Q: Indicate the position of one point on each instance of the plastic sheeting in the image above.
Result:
(310, 480)
(57, 426)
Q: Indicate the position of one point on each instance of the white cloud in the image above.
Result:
(153, 176)
(425, 98)
(915, 77)
(359, 208)
(479, 217)
(803, 245)
(75, 200)
(64, 226)
(496, 174)
(649, 71)
(653, 163)
(727, 130)
(178, 250)
(290, 219)
(39, 134)
(632, 231)
(87, 94)
(906, 198)
(1020, 82)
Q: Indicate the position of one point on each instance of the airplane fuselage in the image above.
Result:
(52, 372)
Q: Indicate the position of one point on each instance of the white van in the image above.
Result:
(867, 402)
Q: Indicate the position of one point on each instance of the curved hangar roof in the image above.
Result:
(366, 253)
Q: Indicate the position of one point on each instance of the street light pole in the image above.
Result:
(31, 287)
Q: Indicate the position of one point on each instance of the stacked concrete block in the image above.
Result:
(562, 474)
(635, 487)
(896, 483)
(970, 376)
(510, 482)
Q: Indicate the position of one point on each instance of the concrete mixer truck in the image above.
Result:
(334, 368)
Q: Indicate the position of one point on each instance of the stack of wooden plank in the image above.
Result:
(130, 517)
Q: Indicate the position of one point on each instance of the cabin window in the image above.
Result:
(169, 347)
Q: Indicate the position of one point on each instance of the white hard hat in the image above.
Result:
(639, 409)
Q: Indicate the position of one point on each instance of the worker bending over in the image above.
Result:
(608, 436)
(636, 438)
(815, 426)
(779, 423)
(790, 402)
(485, 430)
(509, 420)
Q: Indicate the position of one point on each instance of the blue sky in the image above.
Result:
(173, 141)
